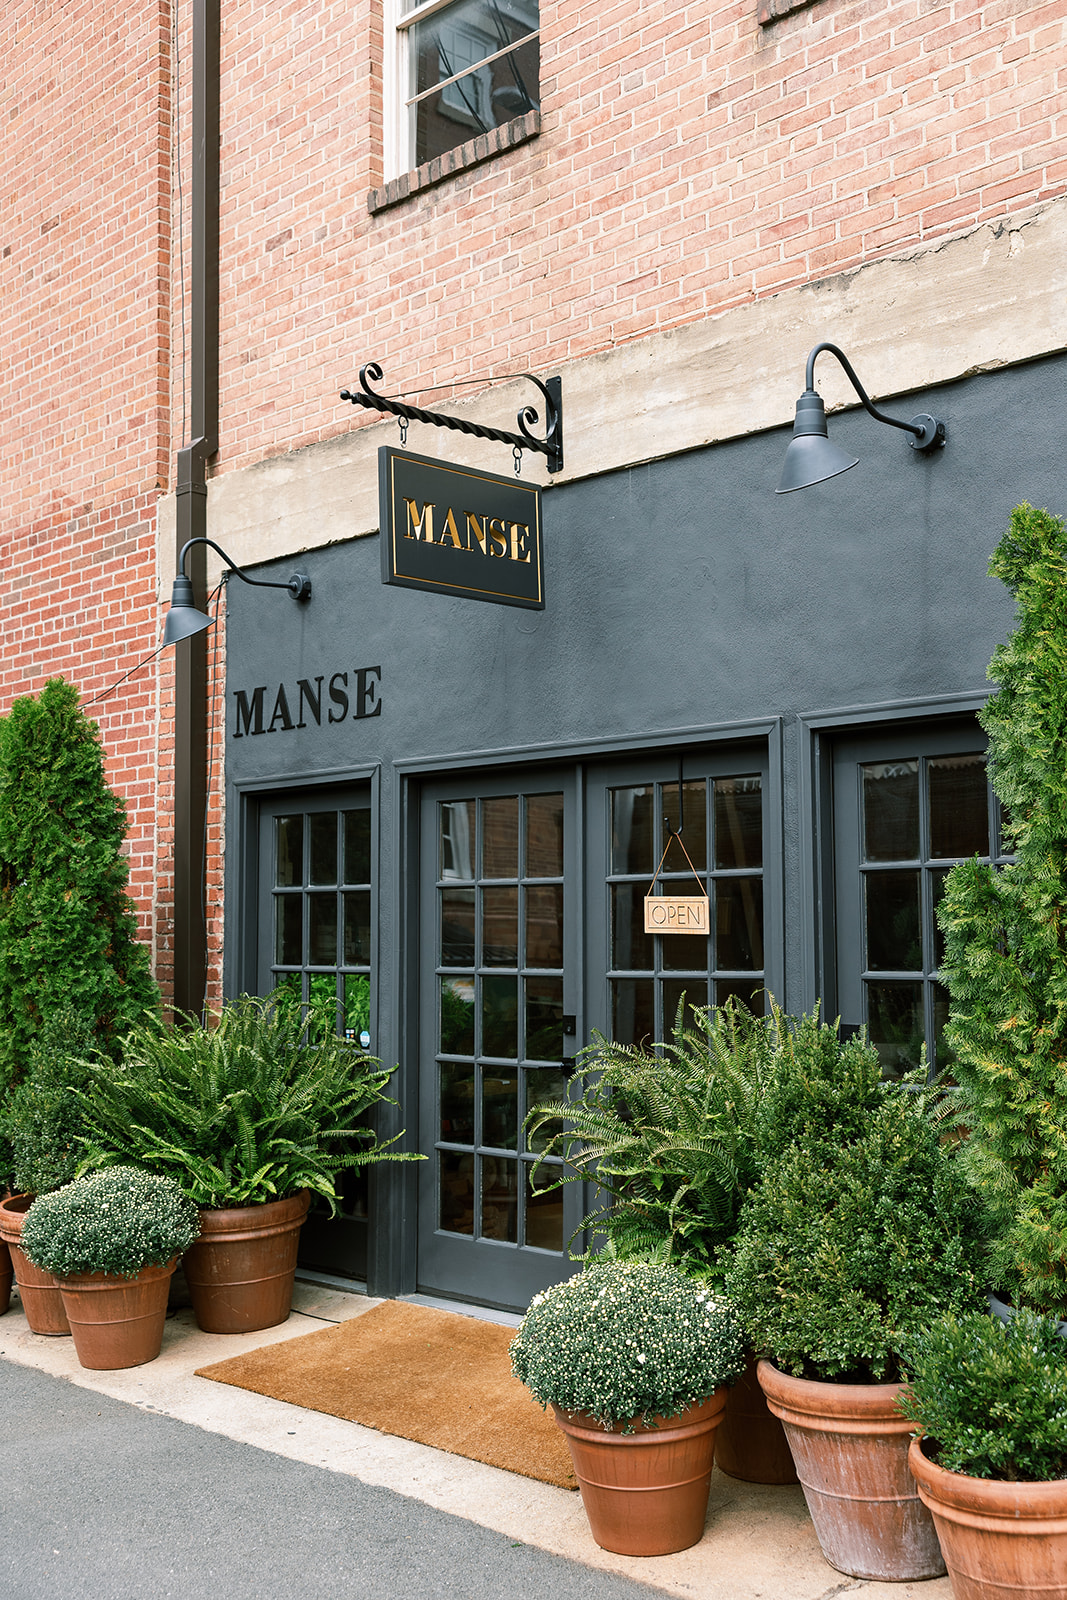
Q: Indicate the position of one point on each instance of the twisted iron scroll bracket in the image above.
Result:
(551, 446)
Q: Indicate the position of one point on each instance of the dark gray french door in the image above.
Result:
(499, 980)
(314, 947)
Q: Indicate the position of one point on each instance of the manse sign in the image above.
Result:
(460, 532)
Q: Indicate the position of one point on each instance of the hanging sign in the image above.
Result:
(458, 531)
(676, 913)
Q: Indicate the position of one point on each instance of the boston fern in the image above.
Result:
(668, 1133)
(246, 1111)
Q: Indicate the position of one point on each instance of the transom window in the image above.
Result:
(466, 66)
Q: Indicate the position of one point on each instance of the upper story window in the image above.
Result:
(466, 66)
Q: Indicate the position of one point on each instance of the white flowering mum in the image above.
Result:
(117, 1220)
(626, 1342)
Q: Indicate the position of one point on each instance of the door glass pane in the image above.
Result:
(357, 845)
(633, 1016)
(544, 836)
(500, 1199)
(457, 927)
(357, 1005)
(544, 1018)
(684, 952)
(500, 1017)
(500, 927)
(457, 1016)
(959, 806)
(324, 1012)
(694, 820)
(750, 993)
(632, 829)
(322, 930)
(288, 851)
(544, 1215)
(322, 828)
(357, 928)
(739, 924)
(500, 1110)
(544, 925)
(288, 930)
(739, 822)
(500, 837)
(457, 839)
(695, 991)
(943, 1055)
(632, 949)
(891, 810)
(895, 1024)
(456, 1180)
(547, 1083)
(457, 1102)
(937, 889)
(894, 932)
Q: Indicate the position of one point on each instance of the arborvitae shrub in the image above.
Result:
(1005, 964)
(68, 933)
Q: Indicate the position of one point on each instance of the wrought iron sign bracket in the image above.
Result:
(551, 446)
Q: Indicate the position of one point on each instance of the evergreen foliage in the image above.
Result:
(249, 1110)
(68, 933)
(116, 1221)
(1005, 964)
(991, 1396)
(44, 1119)
(668, 1133)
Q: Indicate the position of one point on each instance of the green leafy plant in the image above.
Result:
(116, 1221)
(1005, 963)
(627, 1342)
(68, 931)
(991, 1396)
(249, 1110)
(668, 1133)
(44, 1118)
(819, 1089)
(846, 1248)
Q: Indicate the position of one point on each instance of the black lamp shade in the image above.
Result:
(183, 619)
(811, 457)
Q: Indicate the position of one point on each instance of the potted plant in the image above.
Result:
(633, 1358)
(669, 1135)
(991, 1463)
(112, 1239)
(6, 1269)
(860, 1231)
(43, 1124)
(251, 1117)
(1004, 965)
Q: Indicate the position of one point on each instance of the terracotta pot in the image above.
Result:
(1002, 1541)
(6, 1275)
(117, 1322)
(751, 1442)
(38, 1291)
(240, 1271)
(645, 1493)
(850, 1447)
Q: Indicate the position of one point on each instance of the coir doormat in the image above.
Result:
(432, 1376)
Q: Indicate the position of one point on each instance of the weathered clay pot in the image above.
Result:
(751, 1442)
(38, 1291)
(1002, 1541)
(645, 1493)
(7, 1273)
(117, 1322)
(241, 1269)
(850, 1446)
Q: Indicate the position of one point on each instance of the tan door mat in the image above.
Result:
(432, 1376)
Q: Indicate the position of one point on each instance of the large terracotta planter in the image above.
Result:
(850, 1446)
(751, 1442)
(7, 1273)
(117, 1322)
(241, 1269)
(645, 1493)
(1002, 1541)
(38, 1291)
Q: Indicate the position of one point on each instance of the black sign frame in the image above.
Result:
(459, 531)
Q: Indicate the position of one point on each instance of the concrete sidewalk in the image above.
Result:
(759, 1543)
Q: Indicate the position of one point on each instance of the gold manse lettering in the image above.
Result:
(498, 535)
(450, 533)
(476, 534)
(520, 541)
(419, 526)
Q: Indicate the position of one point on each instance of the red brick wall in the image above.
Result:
(690, 161)
(84, 331)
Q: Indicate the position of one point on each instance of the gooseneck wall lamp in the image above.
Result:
(183, 618)
(811, 457)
